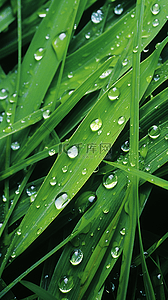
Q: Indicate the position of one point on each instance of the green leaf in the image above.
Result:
(38, 290)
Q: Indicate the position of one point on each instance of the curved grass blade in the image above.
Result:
(38, 290)
(6, 16)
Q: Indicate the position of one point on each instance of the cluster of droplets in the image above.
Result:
(155, 9)
(118, 10)
(97, 16)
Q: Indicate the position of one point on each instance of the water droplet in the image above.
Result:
(61, 200)
(19, 232)
(118, 9)
(125, 62)
(51, 152)
(84, 201)
(135, 49)
(144, 150)
(13, 255)
(53, 181)
(87, 35)
(97, 16)
(155, 9)
(113, 93)
(115, 252)
(31, 190)
(15, 146)
(76, 257)
(96, 124)
(121, 120)
(72, 152)
(105, 210)
(154, 132)
(156, 77)
(148, 167)
(84, 171)
(70, 75)
(64, 169)
(125, 146)
(59, 43)
(38, 55)
(122, 231)
(39, 230)
(3, 94)
(42, 13)
(149, 78)
(47, 36)
(4, 198)
(46, 114)
(33, 197)
(155, 23)
(65, 284)
(110, 181)
(105, 74)
(166, 136)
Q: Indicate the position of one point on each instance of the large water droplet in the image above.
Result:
(87, 35)
(125, 146)
(154, 132)
(122, 231)
(110, 181)
(156, 77)
(115, 252)
(97, 16)
(155, 9)
(65, 284)
(3, 94)
(64, 169)
(15, 146)
(121, 120)
(72, 152)
(76, 257)
(38, 55)
(118, 9)
(53, 181)
(61, 200)
(113, 93)
(155, 23)
(105, 74)
(59, 43)
(31, 190)
(96, 124)
(51, 152)
(46, 114)
(19, 232)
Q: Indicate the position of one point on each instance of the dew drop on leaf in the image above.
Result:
(96, 124)
(76, 257)
(155, 23)
(61, 200)
(105, 74)
(121, 120)
(154, 132)
(15, 146)
(97, 16)
(84, 171)
(110, 181)
(3, 94)
(59, 43)
(19, 232)
(87, 35)
(51, 152)
(115, 252)
(155, 9)
(38, 55)
(72, 152)
(113, 93)
(64, 169)
(31, 190)
(125, 62)
(53, 181)
(65, 284)
(46, 114)
(125, 146)
(118, 10)
(122, 231)
(166, 136)
(39, 230)
(156, 77)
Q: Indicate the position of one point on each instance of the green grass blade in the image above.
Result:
(38, 290)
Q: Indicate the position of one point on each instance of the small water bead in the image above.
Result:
(70, 75)
(125, 62)
(115, 252)
(125, 146)
(154, 132)
(51, 152)
(64, 169)
(19, 232)
(39, 230)
(105, 74)
(118, 10)
(96, 124)
(33, 197)
(13, 255)
(155, 23)
(84, 171)
(38, 55)
(61, 200)
(121, 120)
(113, 93)
(97, 16)
(42, 13)
(76, 257)
(53, 181)
(166, 136)
(15, 146)
(3, 94)
(47, 36)
(87, 35)
(155, 9)
(156, 77)
(135, 49)
(72, 152)
(65, 284)
(148, 167)
(46, 114)
(31, 190)
(144, 150)
(4, 199)
(58, 43)
(122, 231)
(110, 181)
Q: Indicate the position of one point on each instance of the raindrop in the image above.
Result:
(110, 181)
(147, 168)
(42, 13)
(105, 210)
(166, 136)
(105, 74)
(125, 146)
(113, 93)
(47, 36)
(144, 150)
(135, 49)
(58, 43)
(87, 35)
(61, 200)
(155, 23)
(70, 75)
(84, 171)
(15, 146)
(115, 252)
(122, 231)
(148, 78)
(155, 9)
(31, 190)
(154, 132)
(46, 114)
(156, 77)
(51, 152)
(39, 230)
(97, 16)
(33, 197)
(118, 9)
(19, 232)
(96, 124)
(4, 198)
(76, 257)
(72, 152)
(13, 255)
(3, 94)
(108, 266)
(65, 284)
(53, 181)
(64, 169)
(125, 62)
(121, 120)
(38, 55)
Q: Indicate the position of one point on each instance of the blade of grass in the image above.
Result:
(38, 290)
